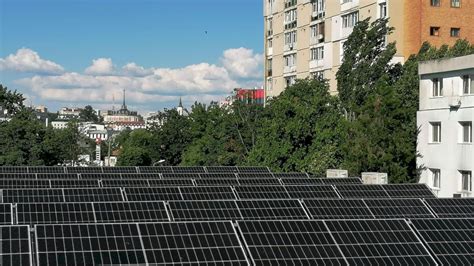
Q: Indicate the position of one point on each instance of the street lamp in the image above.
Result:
(159, 162)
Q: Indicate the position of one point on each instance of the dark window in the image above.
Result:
(434, 31)
(455, 32)
(455, 3)
(435, 2)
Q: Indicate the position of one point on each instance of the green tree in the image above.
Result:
(134, 156)
(88, 114)
(11, 101)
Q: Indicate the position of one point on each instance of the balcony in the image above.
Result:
(290, 25)
(317, 15)
(269, 72)
(290, 3)
(316, 63)
(289, 69)
(270, 51)
(289, 47)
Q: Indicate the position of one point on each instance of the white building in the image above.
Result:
(445, 118)
(59, 124)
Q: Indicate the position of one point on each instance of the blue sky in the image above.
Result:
(165, 44)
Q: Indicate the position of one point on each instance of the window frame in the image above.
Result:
(435, 178)
(466, 181)
(467, 84)
(317, 53)
(453, 5)
(466, 127)
(433, 3)
(458, 30)
(434, 31)
(350, 20)
(437, 87)
(435, 132)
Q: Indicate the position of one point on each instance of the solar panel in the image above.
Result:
(141, 176)
(255, 175)
(271, 209)
(6, 214)
(192, 243)
(450, 240)
(450, 207)
(204, 210)
(18, 176)
(94, 169)
(54, 213)
(311, 192)
(292, 175)
(71, 183)
(155, 169)
(56, 176)
(170, 182)
(13, 169)
(101, 176)
(92, 194)
(217, 182)
(252, 169)
(408, 191)
(114, 212)
(45, 169)
(180, 175)
(221, 169)
(378, 242)
(15, 245)
(207, 193)
(32, 195)
(262, 192)
(24, 183)
(189, 169)
(337, 209)
(217, 175)
(398, 208)
(120, 169)
(345, 180)
(88, 244)
(125, 183)
(290, 243)
(302, 181)
(259, 182)
(153, 193)
(361, 191)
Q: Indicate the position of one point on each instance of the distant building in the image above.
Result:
(159, 118)
(66, 113)
(445, 118)
(59, 124)
(41, 109)
(121, 115)
(249, 96)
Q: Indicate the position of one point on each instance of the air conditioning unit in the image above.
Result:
(374, 178)
(320, 36)
(457, 195)
(336, 173)
(454, 102)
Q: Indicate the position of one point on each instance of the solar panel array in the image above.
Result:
(223, 216)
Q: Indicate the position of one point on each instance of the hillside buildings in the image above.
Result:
(445, 119)
(305, 37)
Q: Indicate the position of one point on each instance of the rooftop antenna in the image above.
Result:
(113, 101)
(123, 104)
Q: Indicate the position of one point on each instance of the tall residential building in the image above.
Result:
(445, 118)
(305, 37)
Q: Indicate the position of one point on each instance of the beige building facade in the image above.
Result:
(305, 38)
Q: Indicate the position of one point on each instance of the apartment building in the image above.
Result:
(305, 37)
(445, 118)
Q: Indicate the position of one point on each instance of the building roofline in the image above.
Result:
(446, 65)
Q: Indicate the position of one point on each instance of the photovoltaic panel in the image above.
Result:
(115, 212)
(54, 213)
(204, 210)
(337, 209)
(303, 242)
(88, 244)
(344, 180)
(141, 176)
(155, 169)
(259, 182)
(15, 245)
(450, 207)
(408, 191)
(32, 195)
(119, 169)
(92, 169)
(18, 176)
(255, 175)
(221, 169)
(217, 182)
(207, 193)
(450, 240)
(252, 169)
(101, 176)
(125, 183)
(378, 242)
(192, 243)
(398, 208)
(6, 214)
(56, 176)
(180, 176)
(170, 182)
(71, 183)
(271, 209)
(13, 169)
(217, 175)
(361, 191)
(261, 192)
(302, 181)
(24, 183)
(189, 169)
(153, 193)
(291, 175)
(311, 192)
(45, 169)
(92, 194)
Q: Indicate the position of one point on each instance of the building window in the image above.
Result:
(290, 60)
(435, 132)
(467, 85)
(437, 87)
(317, 75)
(290, 16)
(383, 10)
(269, 84)
(434, 31)
(435, 2)
(290, 80)
(455, 32)
(466, 132)
(466, 180)
(270, 43)
(436, 177)
(317, 53)
(346, 1)
(319, 6)
(350, 20)
(290, 38)
(270, 27)
(455, 3)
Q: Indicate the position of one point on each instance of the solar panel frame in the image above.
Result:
(342, 180)
(55, 213)
(6, 214)
(204, 210)
(130, 211)
(153, 194)
(141, 176)
(17, 176)
(119, 169)
(207, 193)
(261, 192)
(32, 195)
(451, 207)
(15, 237)
(337, 209)
(57, 176)
(292, 175)
(24, 183)
(155, 169)
(221, 169)
(398, 208)
(46, 169)
(92, 194)
(74, 183)
(253, 169)
(170, 182)
(302, 181)
(230, 175)
(217, 182)
(180, 175)
(287, 209)
(100, 176)
(311, 192)
(13, 169)
(254, 175)
(259, 182)
(189, 169)
(125, 183)
(408, 191)
(361, 191)
(80, 170)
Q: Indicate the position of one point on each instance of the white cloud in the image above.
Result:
(132, 69)
(243, 63)
(27, 60)
(101, 66)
